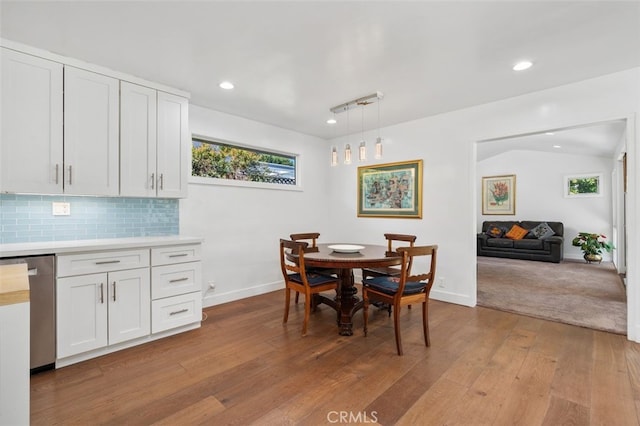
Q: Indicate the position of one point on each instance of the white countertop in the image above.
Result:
(73, 246)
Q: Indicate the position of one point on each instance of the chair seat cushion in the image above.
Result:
(313, 279)
(389, 285)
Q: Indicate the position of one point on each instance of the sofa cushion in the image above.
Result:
(516, 232)
(500, 242)
(495, 231)
(557, 227)
(528, 244)
(543, 231)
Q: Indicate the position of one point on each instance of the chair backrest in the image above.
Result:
(405, 238)
(297, 249)
(311, 236)
(408, 254)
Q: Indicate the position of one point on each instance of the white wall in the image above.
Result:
(540, 192)
(241, 226)
(447, 144)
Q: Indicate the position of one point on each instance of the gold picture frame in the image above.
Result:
(499, 195)
(391, 190)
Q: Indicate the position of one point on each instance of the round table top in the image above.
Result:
(370, 256)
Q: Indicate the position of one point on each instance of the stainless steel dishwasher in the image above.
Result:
(42, 289)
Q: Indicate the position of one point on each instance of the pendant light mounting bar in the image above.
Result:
(365, 100)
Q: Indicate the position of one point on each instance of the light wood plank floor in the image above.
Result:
(484, 367)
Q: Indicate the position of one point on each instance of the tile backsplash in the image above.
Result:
(29, 218)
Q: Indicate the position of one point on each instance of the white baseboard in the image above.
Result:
(457, 298)
(212, 299)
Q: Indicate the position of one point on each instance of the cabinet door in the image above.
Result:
(90, 133)
(31, 134)
(173, 146)
(129, 305)
(81, 314)
(137, 140)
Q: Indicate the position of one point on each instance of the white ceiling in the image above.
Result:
(597, 139)
(292, 61)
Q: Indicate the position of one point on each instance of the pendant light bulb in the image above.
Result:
(378, 148)
(334, 157)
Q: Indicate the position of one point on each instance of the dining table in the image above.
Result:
(345, 258)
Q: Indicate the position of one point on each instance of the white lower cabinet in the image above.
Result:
(102, 309)
(112, 299)
(176, 287)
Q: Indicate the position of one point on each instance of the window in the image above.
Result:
(221, 160)
(587, 185)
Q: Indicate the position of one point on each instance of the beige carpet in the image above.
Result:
(572, 292)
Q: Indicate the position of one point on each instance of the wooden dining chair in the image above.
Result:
(404, 290)
(312, 239)
(390, 271)
(297, 278)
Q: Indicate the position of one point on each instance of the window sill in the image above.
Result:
(199, 180)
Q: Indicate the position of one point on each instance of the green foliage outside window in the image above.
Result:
(236, 163)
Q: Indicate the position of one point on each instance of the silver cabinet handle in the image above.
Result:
(57, 172)
(177, 280)
(181, 311)
(101, 292)
(70, 174)
(179, 255)
(106, 262)
(114, 291)
(161, 180)
(153, 181)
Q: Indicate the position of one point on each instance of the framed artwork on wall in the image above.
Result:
(390, 190)
(499, 195)
(584, 185)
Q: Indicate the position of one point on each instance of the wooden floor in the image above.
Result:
(484, 367)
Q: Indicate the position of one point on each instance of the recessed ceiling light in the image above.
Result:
(549, 133)
(522, 65)
(331, 121)
(557, 146)
(227, 85)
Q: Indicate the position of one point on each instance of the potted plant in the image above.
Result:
(592, 245)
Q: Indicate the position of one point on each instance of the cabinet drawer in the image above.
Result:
(172, 280)
(175, 254)
(105, 261)
(175, 311)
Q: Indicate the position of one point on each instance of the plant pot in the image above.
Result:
(590, 258)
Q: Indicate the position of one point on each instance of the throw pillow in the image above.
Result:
(516, 232)
(494, 231)
(542, 231)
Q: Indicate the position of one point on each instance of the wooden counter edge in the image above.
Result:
(14, 284)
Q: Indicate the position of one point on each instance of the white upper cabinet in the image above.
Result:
(154, 143)
(73, 128)
(31, 129)
(138, 140)
(91, 125)
(173, 145)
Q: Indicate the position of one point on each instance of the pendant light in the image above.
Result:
(362, 146)
(362, 150)
(378, 154)
(347, 148)
(334, 150)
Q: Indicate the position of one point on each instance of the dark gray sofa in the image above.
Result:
(548, 249)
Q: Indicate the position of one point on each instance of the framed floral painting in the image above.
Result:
(499, 195)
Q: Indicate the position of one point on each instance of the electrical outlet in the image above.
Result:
(60, 209)
(441, 282)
